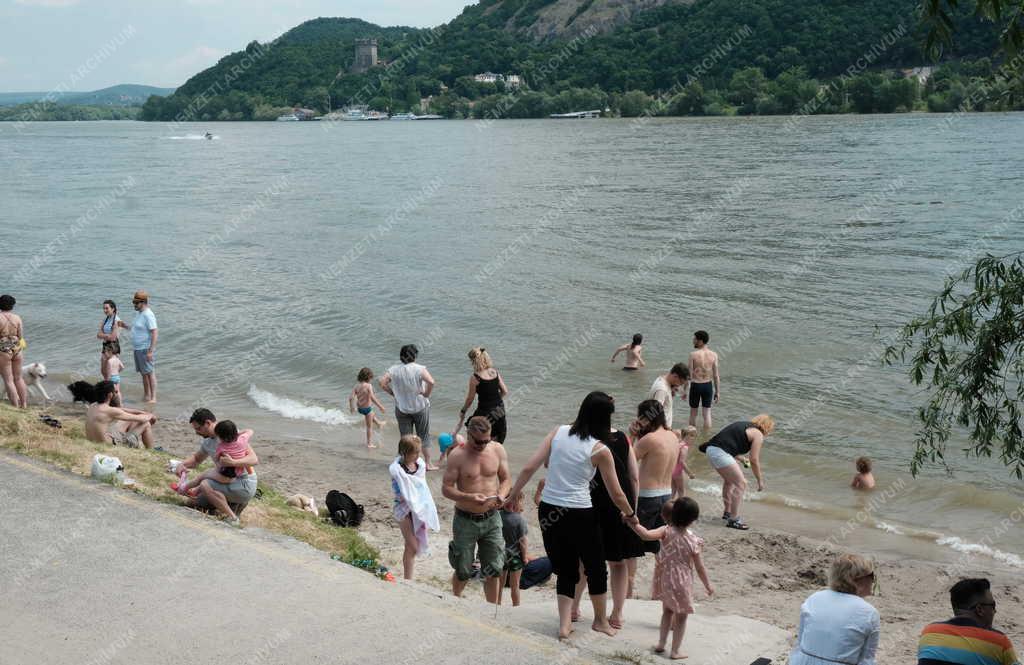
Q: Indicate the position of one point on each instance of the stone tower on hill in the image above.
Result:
(366, 55)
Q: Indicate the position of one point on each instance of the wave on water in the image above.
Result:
(190, 137)
(961, 545)
(296, 410)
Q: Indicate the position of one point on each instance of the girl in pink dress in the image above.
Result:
(673, 572)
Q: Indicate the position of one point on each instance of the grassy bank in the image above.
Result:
(22, 432)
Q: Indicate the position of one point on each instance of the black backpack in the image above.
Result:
(343, 510)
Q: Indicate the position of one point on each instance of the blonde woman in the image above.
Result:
(489, 389)
(726, 450)
(836, 624)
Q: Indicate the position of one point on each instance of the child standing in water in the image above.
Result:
(673, 573)
(112, 367)
(687, 436)
(634, 353)
(362, 399)
(864, 480)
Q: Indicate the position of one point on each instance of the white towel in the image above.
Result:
(412, 495)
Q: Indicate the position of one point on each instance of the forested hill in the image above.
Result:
(808, 41)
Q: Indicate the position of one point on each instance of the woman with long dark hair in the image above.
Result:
(568, 522)
(634, 353)
(109, 334)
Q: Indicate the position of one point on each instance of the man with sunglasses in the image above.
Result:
(967, 638)
(476, 478)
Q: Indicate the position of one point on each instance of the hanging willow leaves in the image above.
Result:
(936, 14)
(968, 353)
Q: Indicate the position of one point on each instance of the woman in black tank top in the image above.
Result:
(734, 440)
(488, 389)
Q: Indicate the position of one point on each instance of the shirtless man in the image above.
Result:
(705, 384)
(138, 425)
(475, 478)
(634, 353)
(657, 450)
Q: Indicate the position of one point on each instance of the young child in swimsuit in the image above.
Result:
(112, 367)
(361, 399)
(687, 436)
(230, 443)
(679, 557)
(864, 480)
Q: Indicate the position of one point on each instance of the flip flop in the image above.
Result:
(737, 524)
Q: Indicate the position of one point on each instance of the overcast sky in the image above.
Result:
(91, 44)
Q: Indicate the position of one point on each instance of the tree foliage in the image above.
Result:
(940, 17)
(968, 353)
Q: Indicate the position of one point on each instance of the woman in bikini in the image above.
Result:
(11, 334)
(487, 386)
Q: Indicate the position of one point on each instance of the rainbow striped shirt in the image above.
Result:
(962, 641)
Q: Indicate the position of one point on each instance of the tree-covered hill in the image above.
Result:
(803, 43)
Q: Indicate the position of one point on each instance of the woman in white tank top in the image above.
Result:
(574, 454)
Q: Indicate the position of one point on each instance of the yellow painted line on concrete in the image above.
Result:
(224, 533)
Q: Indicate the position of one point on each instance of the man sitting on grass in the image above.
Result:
(135, 428)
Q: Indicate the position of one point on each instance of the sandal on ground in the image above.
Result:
(726, 516)
(737, 523)
(50, 420)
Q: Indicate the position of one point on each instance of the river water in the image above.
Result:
(283, 257)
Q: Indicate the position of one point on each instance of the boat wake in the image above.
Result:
(296, 410)
(191, 137)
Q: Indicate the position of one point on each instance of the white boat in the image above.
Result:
(362, 114)
(577, 115)
(291, 117)
(404, 116)
(430, 117)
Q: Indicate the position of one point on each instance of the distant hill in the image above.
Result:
(119, 95)
(583, 54)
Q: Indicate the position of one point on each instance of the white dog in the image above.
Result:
(33, 375)
(303, 502)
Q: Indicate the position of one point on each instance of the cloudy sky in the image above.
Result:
(90, 44)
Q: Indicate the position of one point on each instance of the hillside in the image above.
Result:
(118, 95)
(647, 46)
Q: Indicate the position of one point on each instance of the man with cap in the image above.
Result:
(144, 342)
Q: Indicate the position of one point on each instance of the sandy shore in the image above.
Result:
(762, 574)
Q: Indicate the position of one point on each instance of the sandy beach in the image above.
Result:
(763, 574)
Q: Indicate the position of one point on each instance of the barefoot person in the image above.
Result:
(722, 450)
(144, 336)
(362, 399)
(11, 335)
(666, 386)
(568, 522)
(414, 508)
(411, 384)
(489, 389)
(475, 478)
(657, 451)
(634, 353)
(133, 428)
(220, 496)
(109, 334)
(705, 384)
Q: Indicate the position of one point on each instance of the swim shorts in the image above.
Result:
(702, 394)
(365, 410)
(126, 439)
(142, 364)
(718, 457)
(648, 511)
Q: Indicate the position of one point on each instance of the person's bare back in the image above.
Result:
(137, 427)
(476, 474)
(702, 365)
(363, 391)
(657, 454)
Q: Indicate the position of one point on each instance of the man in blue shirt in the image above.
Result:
(144, 341)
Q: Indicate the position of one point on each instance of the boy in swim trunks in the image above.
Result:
(362, 399)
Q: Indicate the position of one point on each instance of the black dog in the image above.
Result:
(82, 391)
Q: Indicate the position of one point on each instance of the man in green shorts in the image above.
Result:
(475, 477)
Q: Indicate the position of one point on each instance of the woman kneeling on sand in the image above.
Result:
(568, 521)
(725, 449)
(836, 624)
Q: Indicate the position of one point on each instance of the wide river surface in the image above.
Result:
(282, 257)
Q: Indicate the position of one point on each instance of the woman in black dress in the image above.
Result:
(620, 541)
(488, 388)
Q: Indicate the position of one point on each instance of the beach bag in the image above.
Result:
(107, 469)
(344, 511)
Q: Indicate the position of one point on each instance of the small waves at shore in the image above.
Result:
(296, 410)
